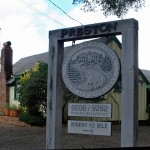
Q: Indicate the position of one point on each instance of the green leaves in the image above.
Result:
(111, 7)
(33, 89)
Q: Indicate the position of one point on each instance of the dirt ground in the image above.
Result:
(16, 135)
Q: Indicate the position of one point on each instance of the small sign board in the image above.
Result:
(90, 110)
(89, 127)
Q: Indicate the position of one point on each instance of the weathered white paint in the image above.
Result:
(129, 29)
(89, 127)
(129, 114)
(54, 97)
(90, 110)
(13, 101)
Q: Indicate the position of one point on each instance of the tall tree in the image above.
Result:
(110, 7)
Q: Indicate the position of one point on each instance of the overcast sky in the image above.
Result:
(26, 24)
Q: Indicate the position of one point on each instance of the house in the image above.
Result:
(9, 82)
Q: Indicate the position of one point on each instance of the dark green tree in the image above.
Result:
(33, 94)
(110, 7)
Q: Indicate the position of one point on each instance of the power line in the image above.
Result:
(41, 13)
(65, 12)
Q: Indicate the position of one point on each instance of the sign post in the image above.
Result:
(129, 120)
(128, 28)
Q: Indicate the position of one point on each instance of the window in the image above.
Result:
(16, 94)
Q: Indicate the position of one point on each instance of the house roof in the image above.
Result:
(146, 74)
(29, 62)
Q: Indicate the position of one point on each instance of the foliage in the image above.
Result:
(32, 91)
(111, 7)
(34, 120)
(13, 107)
(33, 96)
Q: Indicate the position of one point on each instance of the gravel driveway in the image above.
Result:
(15, 135)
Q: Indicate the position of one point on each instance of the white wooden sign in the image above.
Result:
(128, 28)
(90, 110)
(89, 127)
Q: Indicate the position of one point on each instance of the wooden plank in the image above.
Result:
(54, 95)
(90, 110)
(89, 127)
(129, 114)
(93, 30)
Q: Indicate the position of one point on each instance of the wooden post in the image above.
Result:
(129, 115)
(54, 95)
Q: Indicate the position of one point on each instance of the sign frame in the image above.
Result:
(128, 28)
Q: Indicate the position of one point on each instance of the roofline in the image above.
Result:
(114, 38)
(143, 76)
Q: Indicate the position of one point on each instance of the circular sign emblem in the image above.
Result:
(90, 69)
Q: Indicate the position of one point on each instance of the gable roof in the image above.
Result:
(146, 74)
(29, 62)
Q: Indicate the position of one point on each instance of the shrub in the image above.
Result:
(33, 94)
(33, 120)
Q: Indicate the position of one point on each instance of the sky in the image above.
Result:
(26, 23)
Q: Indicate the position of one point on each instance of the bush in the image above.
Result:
(33, 94)
(33, 120)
